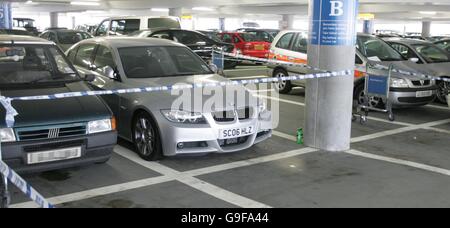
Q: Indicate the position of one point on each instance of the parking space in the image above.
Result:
(224, 104)
(392, 164)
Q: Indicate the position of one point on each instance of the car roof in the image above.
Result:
(23, 39)
(125, 41)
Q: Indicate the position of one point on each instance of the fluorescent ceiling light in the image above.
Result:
(160, 10)
(202, 9)
(85, 3)
(428, 12)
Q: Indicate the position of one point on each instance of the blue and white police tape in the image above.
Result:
(23, 186)
(273, 61)
(11, 112)
(425, 76)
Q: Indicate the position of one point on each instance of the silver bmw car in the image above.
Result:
(167, 123)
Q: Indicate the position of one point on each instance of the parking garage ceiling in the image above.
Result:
(416, 10)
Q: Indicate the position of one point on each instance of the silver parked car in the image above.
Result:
(65, 38)
(433, 58)
(149, 120)
(405, 91)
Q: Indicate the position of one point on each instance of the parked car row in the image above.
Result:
(405, 91)
(53, 134)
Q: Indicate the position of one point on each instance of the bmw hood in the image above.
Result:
(216, 98)
(58, 111)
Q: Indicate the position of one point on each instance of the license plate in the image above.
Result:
(424, 93)
(236, 132)
(259, 47)
(54, 155)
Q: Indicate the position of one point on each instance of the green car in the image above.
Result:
(50, 134)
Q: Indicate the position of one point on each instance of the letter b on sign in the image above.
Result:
(337, 8)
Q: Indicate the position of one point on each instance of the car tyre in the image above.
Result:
(443, 90)
(282, 87)
(146, 137)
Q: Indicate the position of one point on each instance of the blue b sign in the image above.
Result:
(332, 22)
(5, 15)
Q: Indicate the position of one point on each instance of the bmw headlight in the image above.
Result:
(7, 135)
(179, 116)
(399, 83)
(99, 126)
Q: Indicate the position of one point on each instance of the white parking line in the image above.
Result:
(284, 135)
(399, 131)
(96, 192)
(282, 100)
(438, 130)
(400, 162)
(172, 175)
(250, 162)
(191, 181)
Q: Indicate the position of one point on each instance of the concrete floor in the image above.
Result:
(401, 164)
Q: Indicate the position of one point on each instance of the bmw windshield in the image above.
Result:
(34, 64)
(157, 62)
(377, 50)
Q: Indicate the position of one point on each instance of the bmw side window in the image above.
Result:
(84, 55)
(103, 58)
(72, 53)
(285, 41)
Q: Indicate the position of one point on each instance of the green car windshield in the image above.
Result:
(34, 64)
(157, 62)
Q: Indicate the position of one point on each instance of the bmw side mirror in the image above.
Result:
(414, 60)
(89, 77)
(110, 72)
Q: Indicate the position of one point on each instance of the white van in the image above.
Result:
(125, 25)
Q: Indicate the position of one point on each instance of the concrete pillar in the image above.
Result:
(176, 12)
(74, 22)
(426, 29)
(5, 15)
(368, 26)
(54, 19)
(222, 24)
(329, 101)
(287, 22)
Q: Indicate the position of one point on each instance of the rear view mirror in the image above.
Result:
(414, 60)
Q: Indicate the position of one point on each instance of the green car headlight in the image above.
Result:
(7, 135)
(99, 126)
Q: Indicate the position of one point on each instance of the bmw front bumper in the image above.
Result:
(180, 139)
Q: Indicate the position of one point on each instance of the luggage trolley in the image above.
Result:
(376, 86)
(218, 59)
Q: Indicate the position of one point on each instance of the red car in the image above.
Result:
(247, 44)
